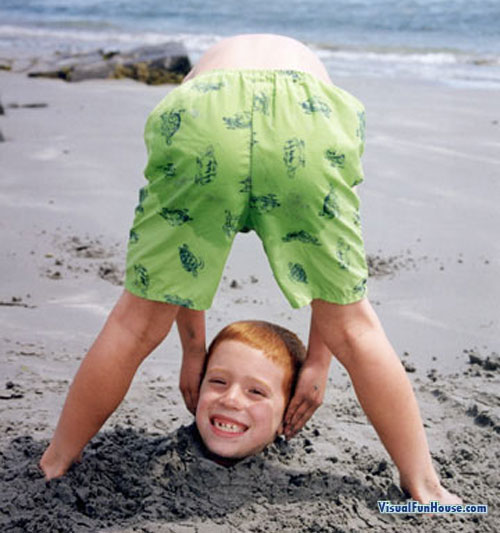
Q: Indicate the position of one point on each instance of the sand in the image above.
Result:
(70, 171)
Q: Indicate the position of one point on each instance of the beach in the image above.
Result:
(70, 167)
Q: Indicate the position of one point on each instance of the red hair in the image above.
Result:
(278, 344)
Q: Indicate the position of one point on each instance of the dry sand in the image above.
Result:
(70, 172)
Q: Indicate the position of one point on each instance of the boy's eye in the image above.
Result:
(217, 381)
(257, 392)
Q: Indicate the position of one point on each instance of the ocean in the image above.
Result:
(455, 42)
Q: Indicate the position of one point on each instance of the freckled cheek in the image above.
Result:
(207, 397)
(263, 415)
(208, 401)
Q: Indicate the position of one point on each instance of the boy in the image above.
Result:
(257, 138)
(251, 372)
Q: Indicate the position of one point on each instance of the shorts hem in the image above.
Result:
(302, 302)
(154, 297)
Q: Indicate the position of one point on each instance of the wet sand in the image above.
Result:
(70, 171)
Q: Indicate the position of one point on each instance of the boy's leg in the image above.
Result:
(133, 329)
(355, 336)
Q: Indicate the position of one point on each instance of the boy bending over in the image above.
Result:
(257, 138)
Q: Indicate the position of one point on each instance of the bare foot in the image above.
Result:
(435, 492)
(53, 465)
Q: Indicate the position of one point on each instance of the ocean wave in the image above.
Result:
(75, 36)
(431, 63)
(421, 56)
(108, 36)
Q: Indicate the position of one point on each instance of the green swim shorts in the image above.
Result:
(274, 151)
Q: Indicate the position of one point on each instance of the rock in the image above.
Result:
(5, 64)
(492, 362)
(409, 367)
(63, 64)
(475, 359)
(98, 70)
(154, 65)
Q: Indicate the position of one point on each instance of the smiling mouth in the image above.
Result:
(228, 426)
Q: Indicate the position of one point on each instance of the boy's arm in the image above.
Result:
(191, 326)
(311, 385)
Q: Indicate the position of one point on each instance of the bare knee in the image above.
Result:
(147, 321)
(343, 327)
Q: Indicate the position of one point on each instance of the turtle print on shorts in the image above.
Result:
(343, 254)
(297, 272)
(207, 167)
(133, 236)
(230, 226)
(316, 105)
(238, 121)
(261, 103)
(294, 75)
(169, 170)
(330, 205)
(335, 159)
(356, 219)
(175, 217)
(189, 261)
(294, 156)
(207, 87)
(235, 150)
(360, 288)
(141, 278)
(177, 300)
(170, 123)
(143, 194)
(264, 203)
(246, 184)
(301, 236)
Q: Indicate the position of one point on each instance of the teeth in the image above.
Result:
(231, 428)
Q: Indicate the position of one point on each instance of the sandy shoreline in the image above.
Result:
(70, 173)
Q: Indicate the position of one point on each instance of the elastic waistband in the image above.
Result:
(261, 74)
(272, 75)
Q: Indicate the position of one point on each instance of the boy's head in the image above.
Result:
(250, 376)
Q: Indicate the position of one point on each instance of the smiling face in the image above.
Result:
(242, 400)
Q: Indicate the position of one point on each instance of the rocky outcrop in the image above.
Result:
(154, 65)
(5, 64)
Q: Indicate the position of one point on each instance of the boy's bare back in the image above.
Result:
(260, 51)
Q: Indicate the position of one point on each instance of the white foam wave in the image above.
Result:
(422, 57)
(52, 38)
(454, 68)
(198, 43)
(374, 61)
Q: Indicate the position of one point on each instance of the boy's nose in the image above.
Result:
(232, 397)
